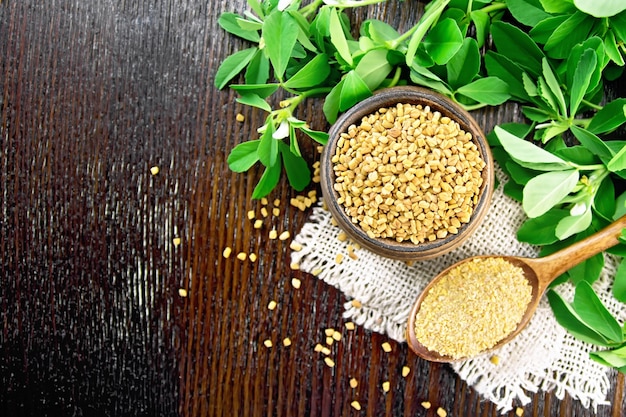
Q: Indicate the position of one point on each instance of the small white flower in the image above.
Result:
(283, 4)
(282, 131)
(579, 209)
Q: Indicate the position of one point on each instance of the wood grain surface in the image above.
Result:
(94, 93)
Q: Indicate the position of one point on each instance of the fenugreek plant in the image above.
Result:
(552, 57)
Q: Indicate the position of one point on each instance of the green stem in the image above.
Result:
(592, 105)
(438, 6)
(396, 77)
(592, 167)
(493, 7)
(311, 8)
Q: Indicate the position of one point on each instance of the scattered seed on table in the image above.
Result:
(264, 201)
(356, 405)
(325, 351)
(441, 412)
(339, 258)
(258, 223)
(386, 347)
(294, 266)
(354, 383)
(154, 170)
(316, 271)
(242, 256)
(519, 412)
(329, 341)
(336, 335)
(284, 235)
(240, 117)
(329, 362)
(227, 251)
(251, 215)
(356, 304)
(276, 212)
(286, 341)
(276, 202)
(342, 236)
(295, 282)
(318, 347)
(426, 405)
(350, 325)
(405, 371)
(386, 386)
(252, 257)
(182, 292)
(329, 331)
(176, 241)
(495, 359)
(272, 305)
(295, 246)
(264, 212)
(267, 343)
(273, 234)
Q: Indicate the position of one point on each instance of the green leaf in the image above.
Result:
(313, 73)
(443, 41)
(582, 78)
(258, 70)
(259, 90)
(319, 137)
(590, 308)
(588, 270)
(230, 23)
(488, 90)
(604, 201)
(379, 31)
(567, 317)
(619, 282)
(555, 88)
(615, 358)
(354, 90)
(508, 71)
(618, 25)
(572, 31)
(541, 230)
(529, 155)
(618, 162)
(547, 190)
(571, 225)
(527, 12)
(268, 146)
(331, 102)
(592, 142)
(298, 172)
(542, 31)
(481, 22)
(557, 6)
(243, 156)
(338, 37)
(269, 181)
(423, 76)
(254, 100)
(232, 65)
(430, 16)
(612, 48)
(373, 68)
(464, 65)
(280, 32)
(609, 118)
(601, 8)
(256, 6)
(516, 45)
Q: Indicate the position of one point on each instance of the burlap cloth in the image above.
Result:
(543, 357)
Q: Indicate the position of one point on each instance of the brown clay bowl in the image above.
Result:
(388, 247)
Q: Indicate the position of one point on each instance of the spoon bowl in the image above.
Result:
(539, 272)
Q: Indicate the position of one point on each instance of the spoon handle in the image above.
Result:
(557, 263)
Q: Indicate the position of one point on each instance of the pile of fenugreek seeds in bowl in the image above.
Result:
(407, 175)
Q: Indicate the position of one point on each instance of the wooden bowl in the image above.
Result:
(389, 247)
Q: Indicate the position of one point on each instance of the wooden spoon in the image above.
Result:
(539, 272)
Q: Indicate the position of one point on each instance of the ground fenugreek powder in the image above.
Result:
(474, 306)
(408, 173)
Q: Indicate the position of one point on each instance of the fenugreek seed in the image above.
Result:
(276, 212)
(284, 235)
(240, 117)
(272, 305)
(354, 383)
(295, 246)
(258, 224)
(264, 201)
(342, 236)
(356, 405)
(227, 251)
(176, 241)
(182, 292)
(276, 202)
(316, 271)
(336, 335)
(339, 258)
(495, 359)
(252, 257)
(406, 371)
(251, 214)
(329, 341)
(267, 343)
(441, 412)
(318, 347)
(242, 256)
(386, 347)
(519, 412)
(329, 362)
(296, 283)
(264, 212)
(273, 234)
(426, 405)
(286, 341)
(325, 351)
(356, 304)
(386, 386)
(295, 266)
(154, 170)
(350, 325)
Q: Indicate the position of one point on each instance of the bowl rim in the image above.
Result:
(388, 97)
